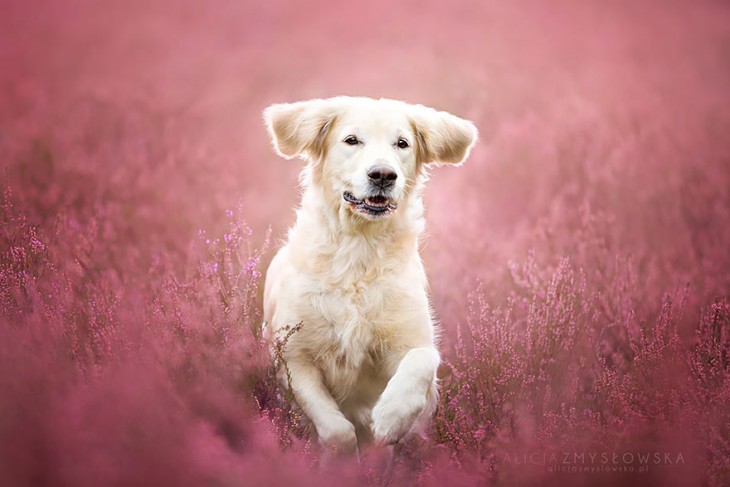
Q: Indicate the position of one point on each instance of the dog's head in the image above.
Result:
(368, 154)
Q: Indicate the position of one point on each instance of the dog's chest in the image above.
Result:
(353, 285)
(351, 314)
(351, 309)
(351, 338)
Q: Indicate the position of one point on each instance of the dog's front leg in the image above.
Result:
(410, 393)
(334, 431)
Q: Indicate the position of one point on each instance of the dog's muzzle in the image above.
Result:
(374, 205)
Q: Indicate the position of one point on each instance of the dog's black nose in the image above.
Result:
(382, 176)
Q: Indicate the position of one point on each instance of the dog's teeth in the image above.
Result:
(379, 203)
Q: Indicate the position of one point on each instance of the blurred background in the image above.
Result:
(135, 127)
(617, 107)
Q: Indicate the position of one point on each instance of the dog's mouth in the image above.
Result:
(376, 205)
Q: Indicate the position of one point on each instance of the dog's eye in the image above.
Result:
(402, 144)
(351, 140)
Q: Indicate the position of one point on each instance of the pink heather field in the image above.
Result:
(579, 261)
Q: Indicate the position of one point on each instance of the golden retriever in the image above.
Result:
(362, 367)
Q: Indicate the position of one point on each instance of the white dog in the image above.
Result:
(363, 364)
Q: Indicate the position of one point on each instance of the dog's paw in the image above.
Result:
(394, 416)
(337, 435)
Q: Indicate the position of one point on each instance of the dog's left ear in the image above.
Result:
(441, 138)
(300, 129)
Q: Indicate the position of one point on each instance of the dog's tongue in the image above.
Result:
(378, 201)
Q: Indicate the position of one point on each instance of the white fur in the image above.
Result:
(363, 365)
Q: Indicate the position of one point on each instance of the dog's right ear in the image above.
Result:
(300, 129)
